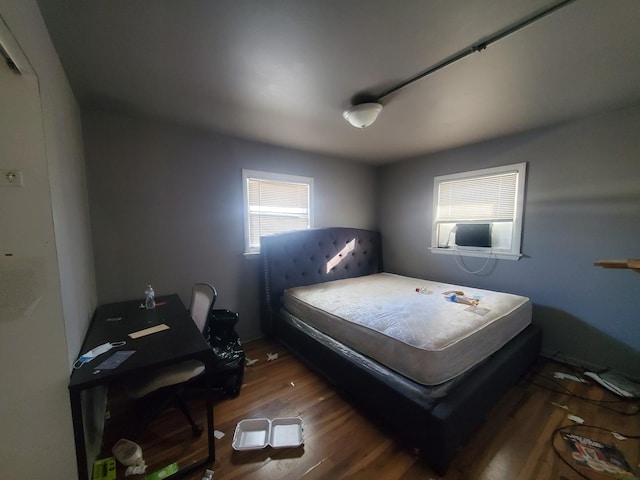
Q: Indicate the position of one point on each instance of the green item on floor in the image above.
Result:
(104, 469)
(164, 472)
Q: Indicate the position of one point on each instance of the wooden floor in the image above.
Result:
(340, 443)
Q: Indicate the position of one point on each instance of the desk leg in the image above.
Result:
(78, 434)
(211, 457)
(210, 427)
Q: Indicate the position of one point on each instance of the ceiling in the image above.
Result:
(283, 71)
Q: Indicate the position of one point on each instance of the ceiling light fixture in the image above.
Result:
(364, 114)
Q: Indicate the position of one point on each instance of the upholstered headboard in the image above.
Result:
(319, 255)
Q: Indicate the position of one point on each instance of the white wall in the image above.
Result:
(51, 238)
(582, 203)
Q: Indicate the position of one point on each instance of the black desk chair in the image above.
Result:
(164, 387)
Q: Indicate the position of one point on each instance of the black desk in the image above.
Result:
(112, 323)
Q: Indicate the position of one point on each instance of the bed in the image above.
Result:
(430, 378)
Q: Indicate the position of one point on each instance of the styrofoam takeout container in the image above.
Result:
(256, 433)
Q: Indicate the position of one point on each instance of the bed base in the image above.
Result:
(438, 433)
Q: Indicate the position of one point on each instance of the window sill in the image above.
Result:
(475, 253)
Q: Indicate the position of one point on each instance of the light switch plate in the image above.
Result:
(10, 178)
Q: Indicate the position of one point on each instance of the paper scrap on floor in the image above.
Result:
(576, 419)
(567, 376)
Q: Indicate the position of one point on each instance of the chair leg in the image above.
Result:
(181, 404)
(148, 409)
(151, 407)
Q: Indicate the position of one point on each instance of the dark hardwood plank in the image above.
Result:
(342, 443)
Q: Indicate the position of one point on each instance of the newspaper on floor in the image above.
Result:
(598, 458)
(616, 383)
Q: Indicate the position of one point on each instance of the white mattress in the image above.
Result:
(422, 336)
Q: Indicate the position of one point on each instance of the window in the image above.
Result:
(274, 203)
(493, 197)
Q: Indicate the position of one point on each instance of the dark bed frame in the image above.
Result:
(437, 430)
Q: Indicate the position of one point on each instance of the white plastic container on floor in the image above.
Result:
(127, 452)
(256, 433)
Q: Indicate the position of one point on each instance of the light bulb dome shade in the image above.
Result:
(362, 115)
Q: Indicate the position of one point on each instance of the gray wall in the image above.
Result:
(166, 208)
(582, 204)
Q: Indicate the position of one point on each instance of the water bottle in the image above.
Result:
(149, 298)
(424, 290)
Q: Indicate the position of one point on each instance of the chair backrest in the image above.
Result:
(203, 296)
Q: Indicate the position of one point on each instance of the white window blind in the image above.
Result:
(275, 203)
(481, 198)
(493, 195)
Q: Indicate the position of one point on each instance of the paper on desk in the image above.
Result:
(149, 331)
(115, 360)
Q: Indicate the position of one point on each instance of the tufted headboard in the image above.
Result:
(318, 255)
